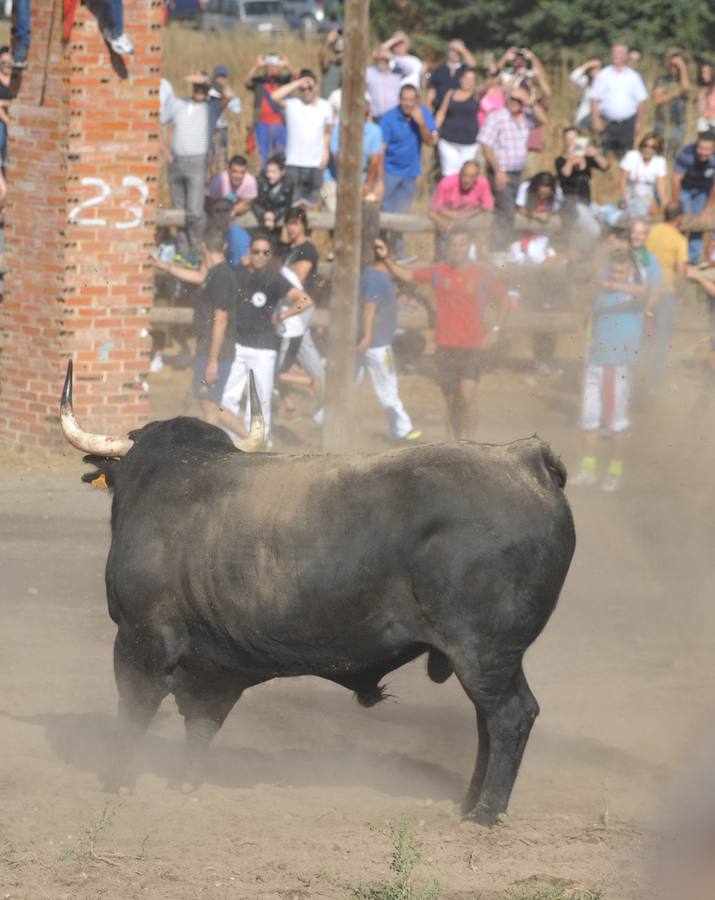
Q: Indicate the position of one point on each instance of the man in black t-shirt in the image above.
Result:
(259, 290)
(215, 302)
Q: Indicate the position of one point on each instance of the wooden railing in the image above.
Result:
(415, 223)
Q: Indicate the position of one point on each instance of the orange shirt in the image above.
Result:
(461, 295)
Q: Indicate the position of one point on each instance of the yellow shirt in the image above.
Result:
(671, 248)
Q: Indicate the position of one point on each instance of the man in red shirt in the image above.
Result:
(462, 290)
(269, 120)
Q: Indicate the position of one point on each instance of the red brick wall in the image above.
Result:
(80, 223)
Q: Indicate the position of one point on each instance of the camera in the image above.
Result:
(521, 54)
(581, 145)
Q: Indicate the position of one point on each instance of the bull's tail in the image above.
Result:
(553, 465)
(541, 459)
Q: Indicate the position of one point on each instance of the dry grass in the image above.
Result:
(188, 50)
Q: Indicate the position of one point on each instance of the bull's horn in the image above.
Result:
(257, 435)
(99, 444)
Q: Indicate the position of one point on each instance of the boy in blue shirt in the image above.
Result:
(616, 331)
(376, 329)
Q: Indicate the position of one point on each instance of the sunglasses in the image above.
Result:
(261, 253)
(308, 87)
(516, 100)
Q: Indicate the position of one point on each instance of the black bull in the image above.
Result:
(228, 569)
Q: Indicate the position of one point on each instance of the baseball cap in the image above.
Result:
(199, 78)
(220, 72)
(272, 59)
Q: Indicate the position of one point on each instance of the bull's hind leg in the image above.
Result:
(204, 702)
(506, 710)
(480, 769)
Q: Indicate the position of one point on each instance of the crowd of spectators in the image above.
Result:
(472, 132)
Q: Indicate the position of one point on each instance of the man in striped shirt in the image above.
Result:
(504, 139)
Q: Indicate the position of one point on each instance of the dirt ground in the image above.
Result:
(303, 781)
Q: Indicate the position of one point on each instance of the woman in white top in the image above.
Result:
(644, 178)
(583, 76)
(300, 268)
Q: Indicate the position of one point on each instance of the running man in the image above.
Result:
(462, 290)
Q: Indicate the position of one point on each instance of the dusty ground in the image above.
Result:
(302, 777)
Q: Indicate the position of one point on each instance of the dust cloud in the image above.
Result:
(624, 674)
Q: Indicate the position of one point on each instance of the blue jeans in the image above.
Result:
(399, 193)
(3, 144)
(693, 204)
(21, 31)
(271, 139)
(239, 243)
(114, 11)
(398, 197)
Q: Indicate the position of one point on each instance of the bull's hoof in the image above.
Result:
(192, 776)
(484, 816)
(119, 782)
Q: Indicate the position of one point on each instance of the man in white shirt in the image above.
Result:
(618, 103)
(408, 66)
(309, 121)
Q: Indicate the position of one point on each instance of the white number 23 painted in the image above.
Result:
(103, 192)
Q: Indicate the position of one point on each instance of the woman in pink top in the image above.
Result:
(493, 97)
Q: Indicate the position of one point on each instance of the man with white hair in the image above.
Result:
(408, 66)
(618, 98)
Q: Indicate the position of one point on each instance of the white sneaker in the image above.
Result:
(121, 45)
(319, 416)
(583, 478)
(611, 483)
(156, 365)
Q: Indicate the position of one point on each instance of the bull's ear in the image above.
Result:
(103, 476)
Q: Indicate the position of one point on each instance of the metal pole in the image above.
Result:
(337, 433)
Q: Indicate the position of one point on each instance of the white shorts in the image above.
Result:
(606, 392)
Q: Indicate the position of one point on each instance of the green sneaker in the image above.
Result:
(412, 437)
(185, 263)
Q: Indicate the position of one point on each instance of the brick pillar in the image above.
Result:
(83, 170)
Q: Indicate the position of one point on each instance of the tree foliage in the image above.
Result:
(552, 25)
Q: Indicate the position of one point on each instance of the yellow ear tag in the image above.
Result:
(100, 482)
